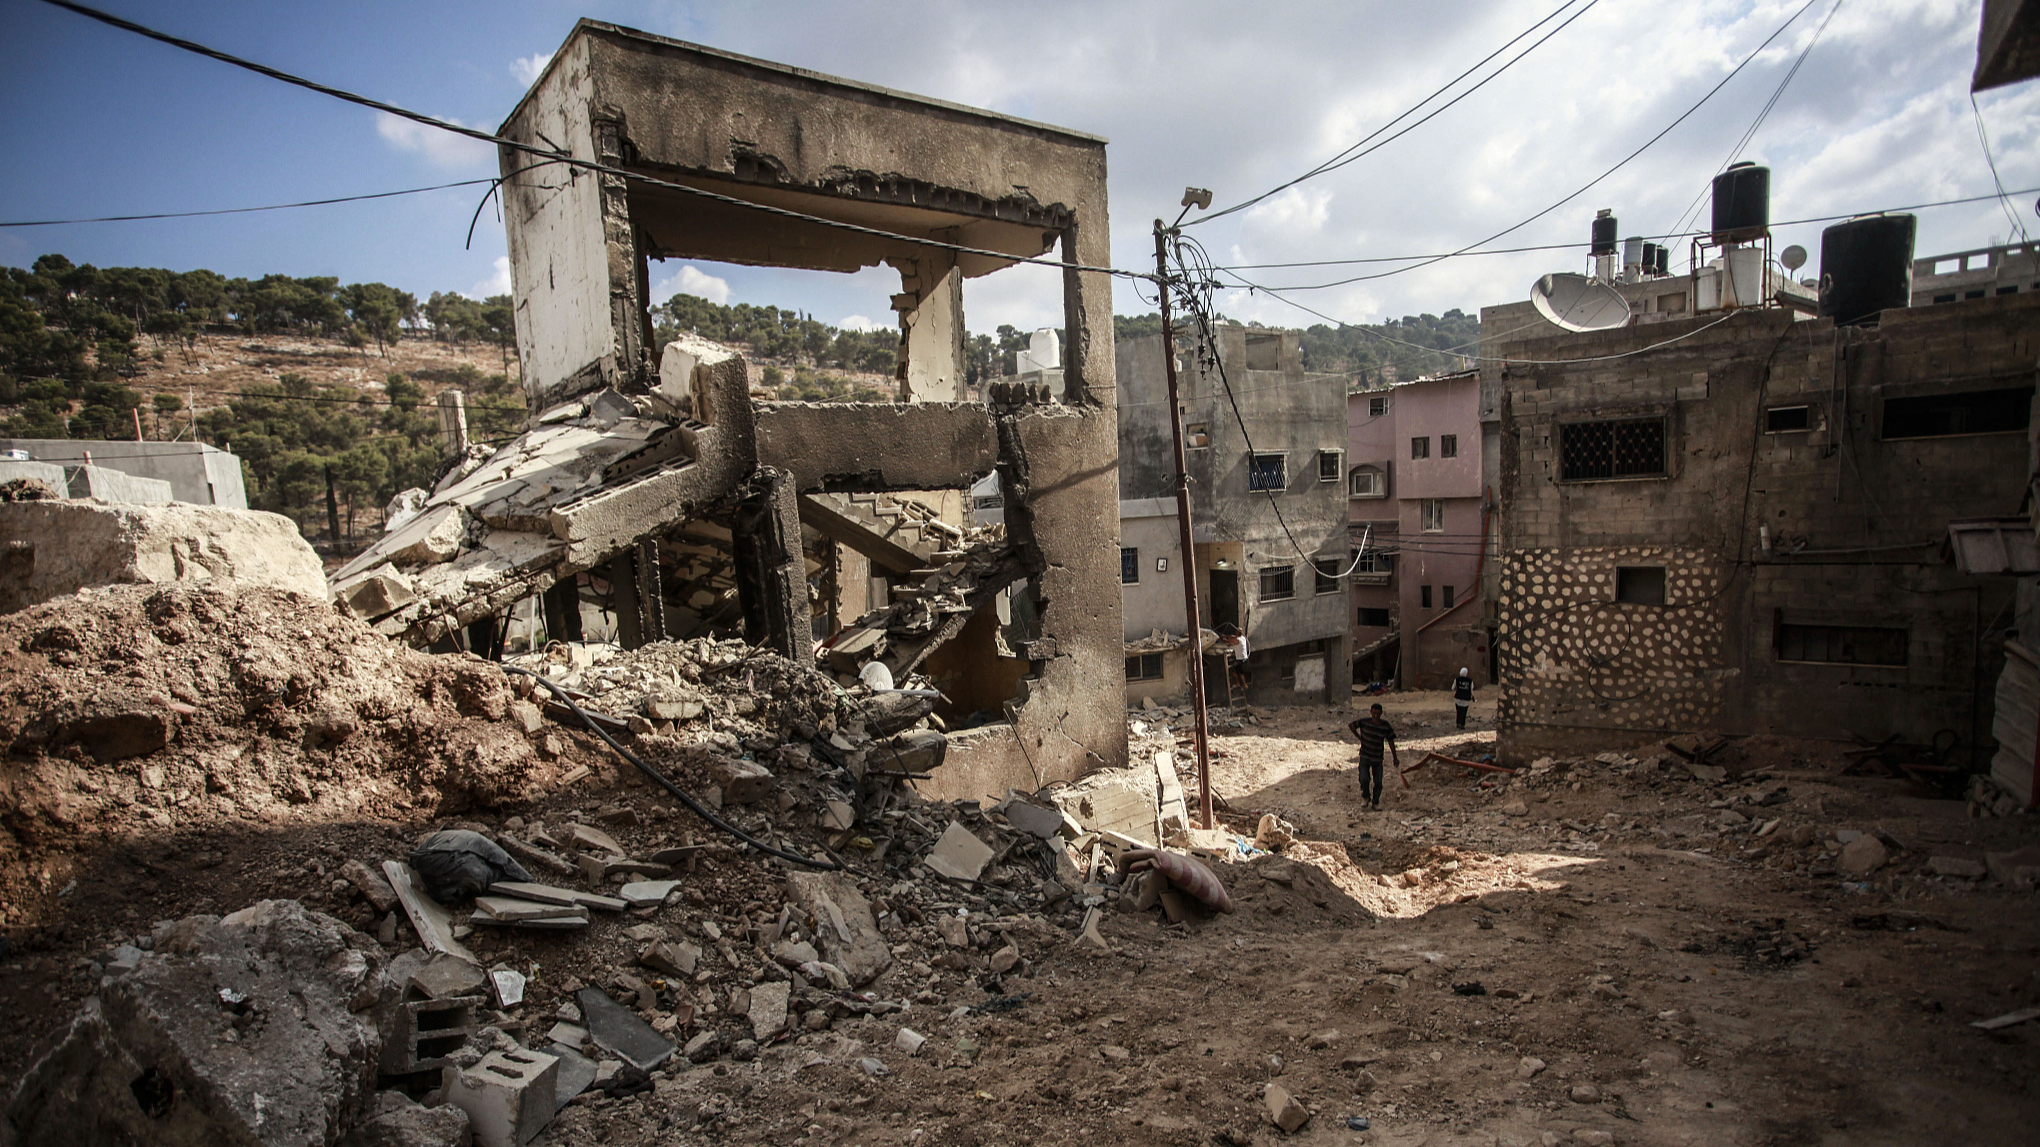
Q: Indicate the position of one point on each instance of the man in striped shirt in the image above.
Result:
(1374, 732)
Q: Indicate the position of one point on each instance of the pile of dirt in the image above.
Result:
(142, 709)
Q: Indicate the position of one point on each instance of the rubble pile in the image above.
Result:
(690, 689)
(933, 605)
(193, 705)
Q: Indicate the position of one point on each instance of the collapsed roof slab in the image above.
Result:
(868, 448)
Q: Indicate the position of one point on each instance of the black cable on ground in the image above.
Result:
(660, 778)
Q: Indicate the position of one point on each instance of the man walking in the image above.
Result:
(1374, 732)
(1462, 694)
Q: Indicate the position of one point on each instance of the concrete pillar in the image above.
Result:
(563, 610)
(651, 591)
(930, 304)
(770, 571)
(453, 426)
(623, 592)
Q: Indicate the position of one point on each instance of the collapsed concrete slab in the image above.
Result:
(57, 547)
(256, 1028)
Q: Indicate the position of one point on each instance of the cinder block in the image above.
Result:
(423, 1033)
(509, 1096)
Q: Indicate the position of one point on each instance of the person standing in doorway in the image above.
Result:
(1374, 733)
(1462, 694)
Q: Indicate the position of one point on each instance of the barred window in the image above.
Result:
(1625, 448)
(1268, 472)
(1278, 583)
(1145, 667)
(1842, 644)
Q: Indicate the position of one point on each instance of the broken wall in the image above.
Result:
(1852, 623)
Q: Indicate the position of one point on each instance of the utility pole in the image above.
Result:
(1188, 559)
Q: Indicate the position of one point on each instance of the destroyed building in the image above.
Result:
(652, 485)
(1268, 511)
(140, 471)
(1747, 530)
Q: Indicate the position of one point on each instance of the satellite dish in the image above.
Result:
(1794, 257)
(1579, 303)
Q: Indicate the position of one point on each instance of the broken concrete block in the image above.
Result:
(552, 894)
(1862, 856)
(446, 977)
(508, 1096)
(146, 1061)
(433, 923)
(839, 816)
(673, 959)
(1046, 823)
(1959, 867)
(509, 910)
(843, 923)
(768, 1009)
(959, 853)
(915, 751)
(1283, 1109)
(954, 930)
(509, 987)
(588, 838)
(640, 893)
(421, 1035)
(377, 593)
(371, 885)
(674, 706)
(80, 543)
(400, 1122)
(741, 781)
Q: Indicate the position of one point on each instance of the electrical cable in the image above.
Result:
(561, 157)
(1983, 137)
(1354, 153)
(1590, 184)
(245, 210)
(695, 806)
(1750, 132)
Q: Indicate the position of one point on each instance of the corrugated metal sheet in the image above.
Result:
(1994, 546)
(2018, 707)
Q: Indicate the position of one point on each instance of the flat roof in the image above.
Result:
(788, 71)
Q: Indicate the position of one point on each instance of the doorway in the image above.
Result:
(1225, 599)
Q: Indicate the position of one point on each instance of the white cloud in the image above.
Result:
(496, 284)
(692, 280)
(527, 69)
(860, 323)
(443, 148)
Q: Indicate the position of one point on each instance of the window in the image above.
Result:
(1786, 419)
(1624, 448)
(1972, 294)
(1376, 562)
(990, 502)
(1328, 465)
(1196, 435)
(1264, 351)
(1424, 596)
(1328, 570)
(1129, 565)
(1145, 667)
(1640, 585)
(1944, 298)
(1842, 644)
(1268, 472)
(1368, 615)
(1671, 304)
(1448, 597)
(1971, 412)
(1285, 675)
(2011, 290)
(1278, 583)
(1367, 482)
(1377, 407)
(1420, 447)
(1433, 512)
(1448, 446)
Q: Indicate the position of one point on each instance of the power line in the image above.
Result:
(1590, 184)
(1983, 137)
(244, 210)
(560, 157)
(1354, 152)
(1751, 132)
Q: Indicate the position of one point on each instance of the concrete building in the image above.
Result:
(200, 474)
(1417, 518)
(650, 480)
(1746, 530)
(1983, 273)
(1270, 518)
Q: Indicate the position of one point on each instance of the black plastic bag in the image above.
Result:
(457, 865)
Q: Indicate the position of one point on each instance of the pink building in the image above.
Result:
(1415, 511)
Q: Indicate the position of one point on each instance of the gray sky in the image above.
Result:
(1236, 98)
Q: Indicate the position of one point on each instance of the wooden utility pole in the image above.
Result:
(1188, 558)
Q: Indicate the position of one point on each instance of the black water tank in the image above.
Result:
(1866, 268)
(1742, 203)
(1653, 256)
(1664, 260)
(1604, 234)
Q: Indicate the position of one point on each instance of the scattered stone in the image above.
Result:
(510, 910)
(870, 1066)
(768, 1009)
(1030, 818)
(844, 924)
(446, 977)
(674, 959)
(1005, 959)
(2019, 869)
(1588, 1137)
(613, 1026)
(1957, 867)
(701, 1048)
(959, 853)
(1283, 1109)
(1517, 807)
(1862, 856)
(1528, 1067)
(509, 987)
(591, 839)
(741, 781)
(374, 887)
(643, 892)
(1585, 1093)
(400, 1122)
(552, 894)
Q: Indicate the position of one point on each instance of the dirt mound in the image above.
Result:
(186, 707)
